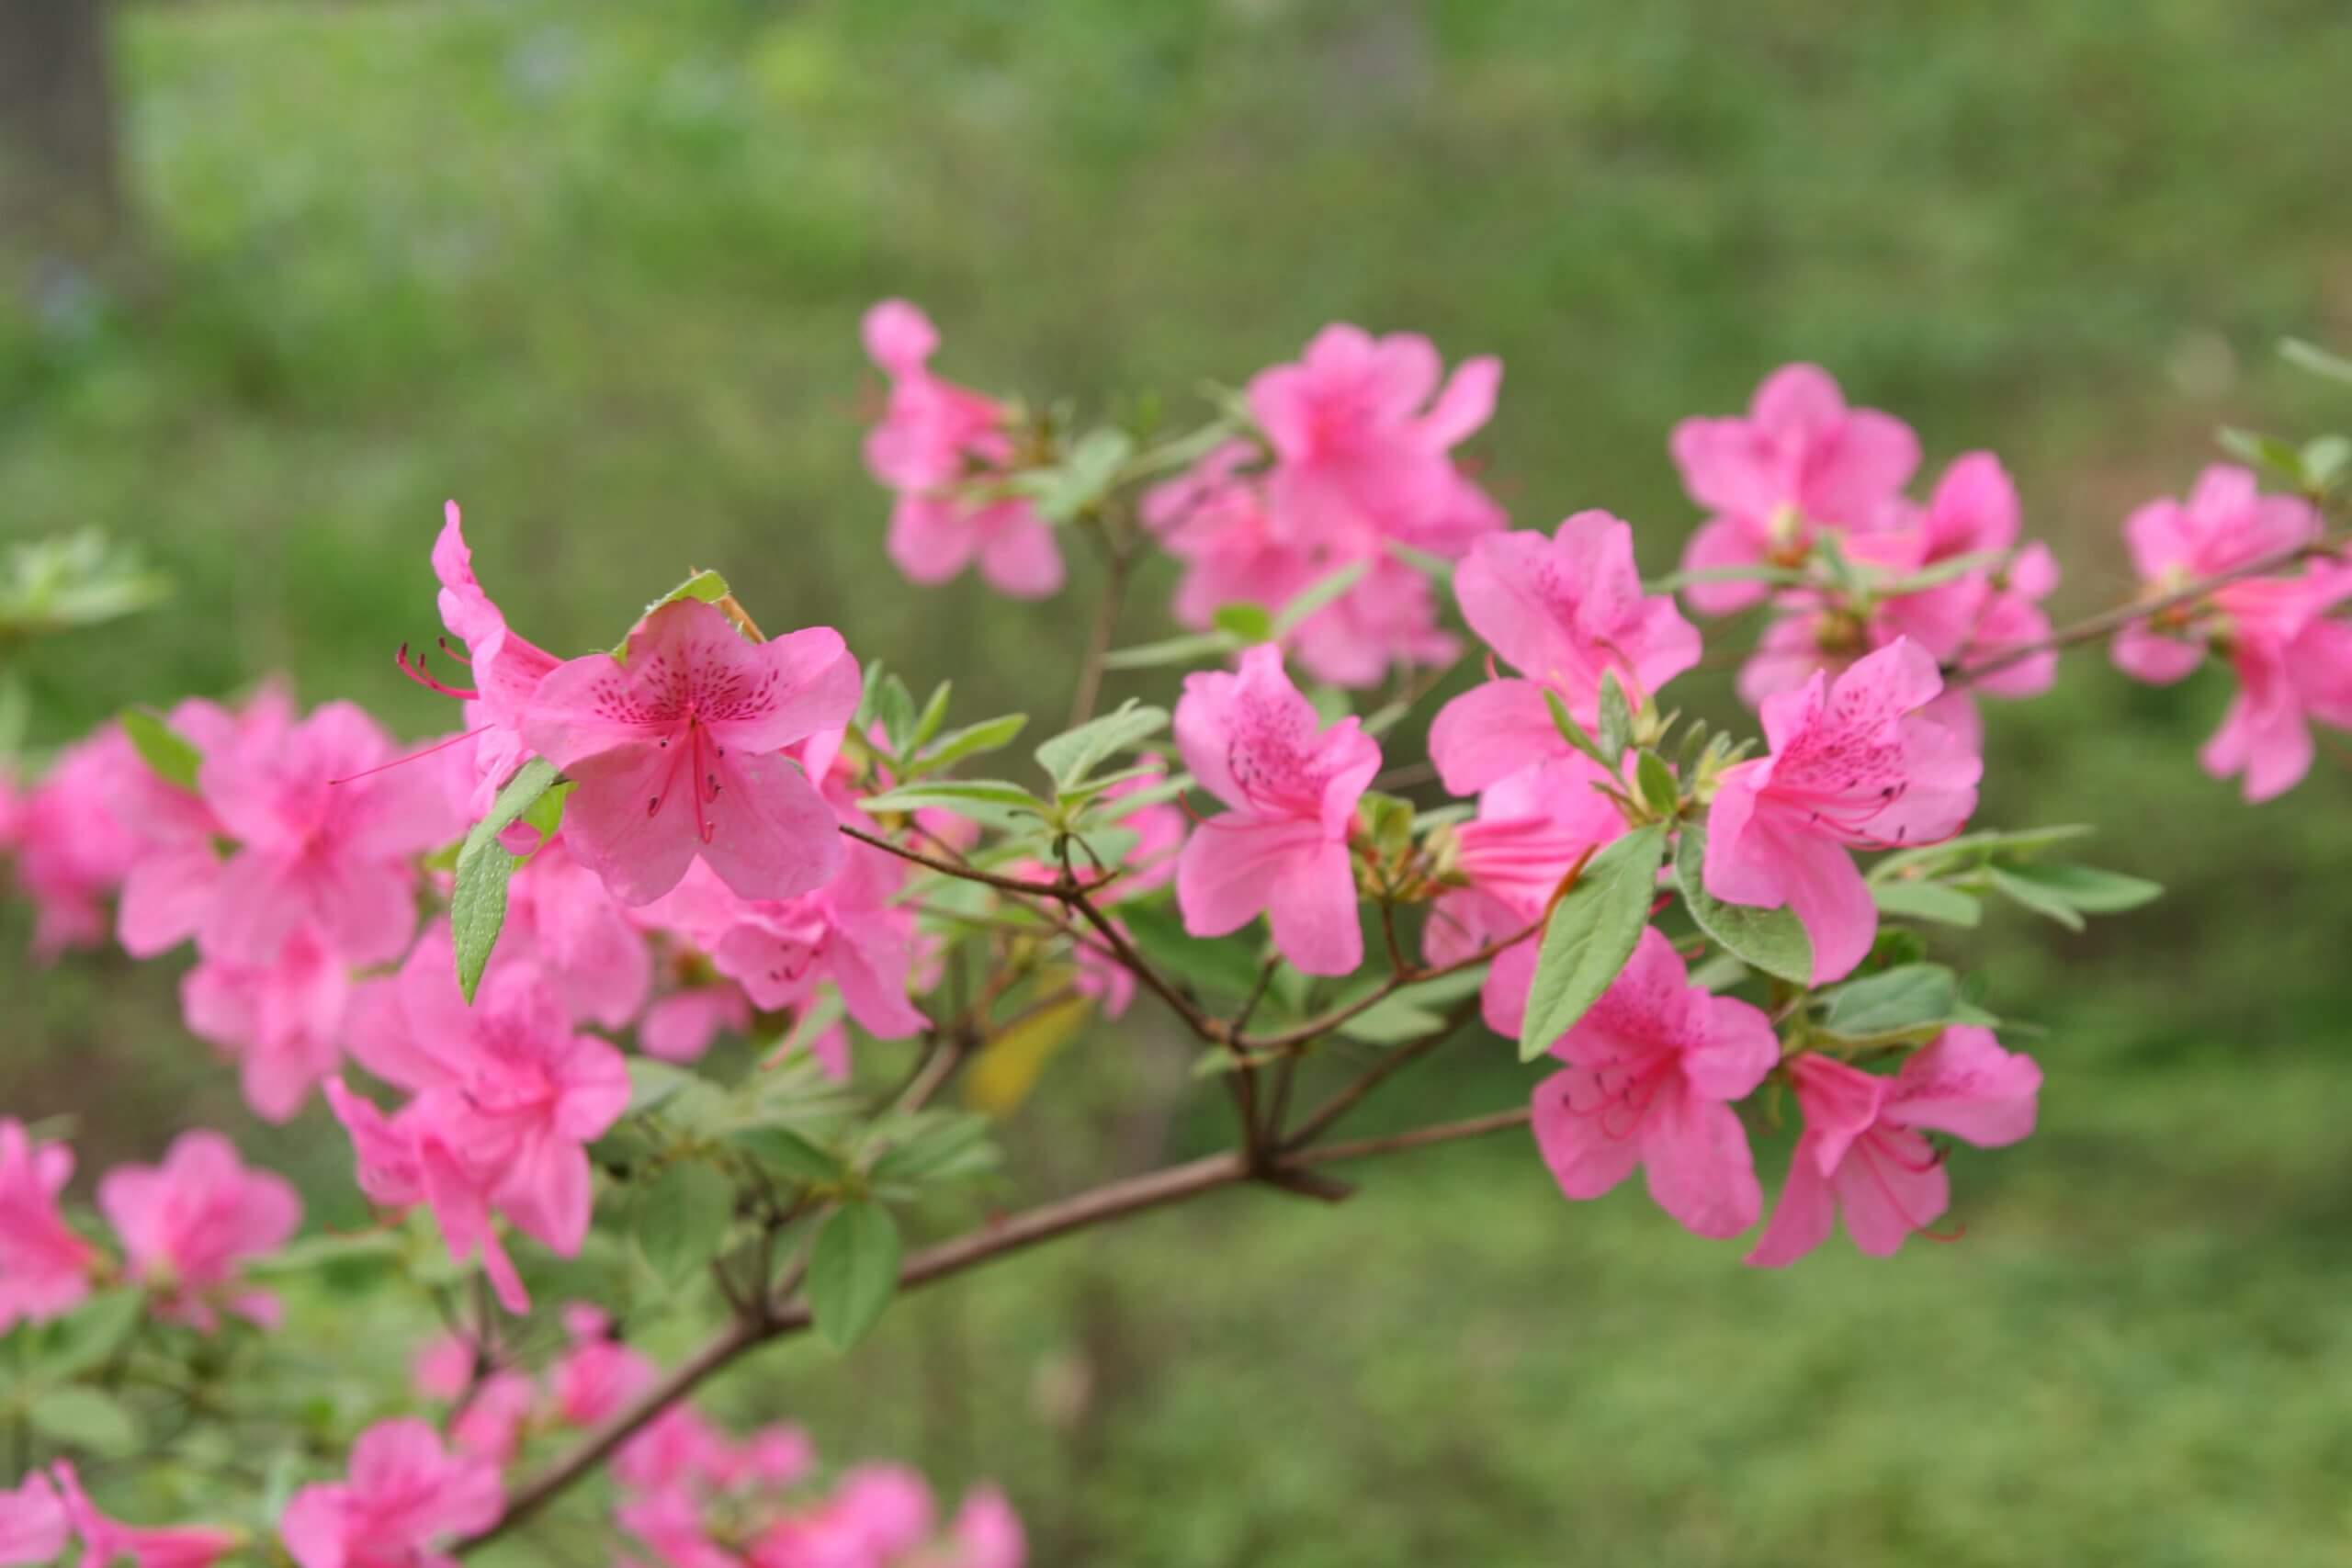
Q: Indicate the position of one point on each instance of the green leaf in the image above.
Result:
(2317, 360)
(1771, 939)
(91, 1334)
(706, 586)
(2325, 459)
(162, 748)
(1227, 965)
(2263, 451)
(1081, 478)
(2088, 889)
(972, 739)
(1970, 849)
(1572, 732)
(1675, 582)
(1188, 649)
(85, 1418)
(1926, 901)
(934, 713)
(1069, 757)
(948, 1147)
(786, 1153)
(1616, 721)
(478, 904)
(1591, 935)
(2042, 900)
(1950, 569)
(1316, 594)
(853, 1271)
(895, 706)
(953, 793)
(652, 1084)
(1656, 783)
(1244, 622)
(682, 1217)
(1915, 998)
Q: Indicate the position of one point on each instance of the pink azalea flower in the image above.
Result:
(986, 1532)
(1862, 1151)
(324, 840)
(1213, 518)
(878, 1512)
(510, 1091)
(1361, 452)
(681, 1024)
(1564, 612)
(442, 1370)
(1654, 1066)
(491, 1425)
(675, 1448)
(1852, 766)
(281, 1021)
(598, 1375)
(105, 1542)
(187, 1226)
(71, 851)
(673, 754)
(1254, 742)
(933, 441)
(1388, 618)
(507, 668)
(405, 1160)
(44, 1267)
(33, 1523)
(1801, 461)
(561, 920)
(403, 1496)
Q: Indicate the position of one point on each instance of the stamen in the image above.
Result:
(413, 757)
(416, 671)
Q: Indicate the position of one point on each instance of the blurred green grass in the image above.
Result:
(594, 270)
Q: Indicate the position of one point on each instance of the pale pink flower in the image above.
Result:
(596, 1375)
(44, 1267)
(404, 1498)
(281, 1021)
(511, 1091)
(71, 851)
(1362, 453)
(33, 1523)
(1862, 1151)
(107, 1542)
(187, 1225)
(1531, 830)
(507, 668)
(1255, 743)
(936, 440)
(324, 840)
(987, 1533)
(1654, 1066)
(1852, 766)
(673, 754)
(561, 920)
(1564, 612)
(1799, 462)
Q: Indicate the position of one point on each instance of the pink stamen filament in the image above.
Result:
(415, 668)
(411, 757)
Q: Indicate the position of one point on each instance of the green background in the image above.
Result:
(595, 271)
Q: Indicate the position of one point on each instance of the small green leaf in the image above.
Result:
(895, 706)
(853, 1271)
(2263, 451)
(2042, 900)
(1069, 757)
(91, 1334)
(162, 748)
(706, 586)
(1656, 783)
(934, 713)
(652, 1083)
(478, 903)
(1572, 732)
(85, 1418)
(786, 1153)
(2088, 888)
(2317, 360)
(2325, 459)
(1244, 622)
(1926, 901)
(949, 1147)
(1188, 649)
(973, 739)
(1915, 998)
(1616, 720)
(1771, 939)
(682, 1217)
(1971, 849)
(955, 793)
(1227, 965)
(1592, 933)
(1317, 594)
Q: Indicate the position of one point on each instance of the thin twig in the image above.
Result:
(1346, 1100)
(1317, 1027)
(970, 873)
(1116, 563)
(1419, 1137)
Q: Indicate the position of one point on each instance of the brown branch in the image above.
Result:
(966, 872)
(1323, 1116)
(1419, 1137)
(1116, 561)
(1317, 1027)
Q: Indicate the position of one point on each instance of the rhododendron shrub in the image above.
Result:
(634, 994)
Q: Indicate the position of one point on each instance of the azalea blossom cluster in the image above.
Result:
(505, 957)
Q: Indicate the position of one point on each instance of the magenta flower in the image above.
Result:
(2293, 662)
(1361, 452)
(986, 1532)
(507, 668)
(44, 1267)
(935, 439)
(324, 840)
(187, 1226)
(71, 851)
(1800, 462)
(562, 921)
(504, 1087)
(403, 1496)
(1862, 1151)
(405, 1160)
(1564, 612)
(597, 1375)
(168, 890)
(1254, 742)
(1531, 830)
(33, 1523)
(1389, 618)
(680, 1025)
(105, 1542)
(1852, 765)
(673, 754)
(491, 1425)
(281, 1021)
(1654, 1066)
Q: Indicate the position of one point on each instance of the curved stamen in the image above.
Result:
(415, 668)
(413, 756)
